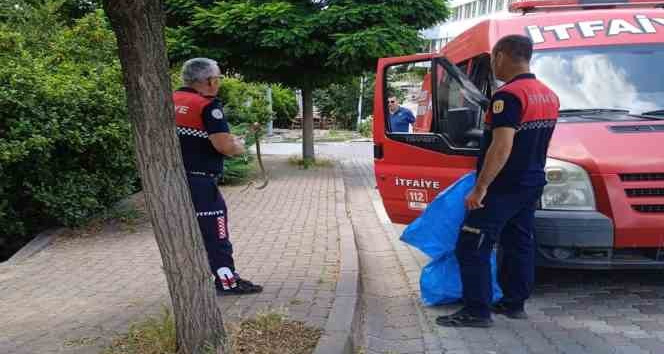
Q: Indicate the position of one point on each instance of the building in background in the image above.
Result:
(463, 15)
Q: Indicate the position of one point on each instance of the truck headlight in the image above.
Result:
(568, 187)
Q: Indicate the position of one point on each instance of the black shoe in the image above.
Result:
(504, 308)
(462, 318)
(242, 287)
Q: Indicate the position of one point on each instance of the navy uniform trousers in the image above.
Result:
(507, 218)
(212, 217)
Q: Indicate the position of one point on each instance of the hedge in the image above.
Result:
(65, 141)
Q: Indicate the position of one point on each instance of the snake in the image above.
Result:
(260, 164)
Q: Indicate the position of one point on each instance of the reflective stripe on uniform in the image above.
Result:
(192, 132)
(211, 213)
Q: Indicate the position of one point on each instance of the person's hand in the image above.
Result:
(475, 198)
(239, 140)
(239, 146)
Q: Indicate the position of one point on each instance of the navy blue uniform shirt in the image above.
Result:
(531, 108)
(197, 117)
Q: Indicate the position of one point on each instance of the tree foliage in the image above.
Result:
(66, 10)
(305, 44)
(299, 43)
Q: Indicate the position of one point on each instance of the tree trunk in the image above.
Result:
(139, 28)
(307, 124)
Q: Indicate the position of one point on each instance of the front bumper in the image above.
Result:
(584, 240)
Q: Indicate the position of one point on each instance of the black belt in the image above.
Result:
(203, 174)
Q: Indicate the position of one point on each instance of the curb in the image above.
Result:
(40, 242)
(412, 269)
(337, 335)
(45, 238)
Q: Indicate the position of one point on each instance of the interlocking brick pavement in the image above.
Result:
(76, 294)
(391, 321)
(572, 311)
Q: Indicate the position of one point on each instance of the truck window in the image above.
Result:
(408, 92)
(463, 66)
(446, 123)
(458, 118)
(480, 74)
(623, 77)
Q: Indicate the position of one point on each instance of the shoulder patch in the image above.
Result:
(498, 106)
(217, 113)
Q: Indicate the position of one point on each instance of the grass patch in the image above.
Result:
(310, 163)
(336, 136)
(272, 333)
(80, 342)
(290, 140)
(366, 127)
(296, 302)
(153, 336)
(127, 216)
(268, 333)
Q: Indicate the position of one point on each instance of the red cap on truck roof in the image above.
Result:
(534, 5)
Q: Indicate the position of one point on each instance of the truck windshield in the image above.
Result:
(625, 77)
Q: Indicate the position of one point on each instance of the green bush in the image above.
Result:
(366, 127)
(65, 140)
(238, 170)
(244, 102)
(339, 101)
(284, 105)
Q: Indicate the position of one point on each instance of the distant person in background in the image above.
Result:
(400, 117)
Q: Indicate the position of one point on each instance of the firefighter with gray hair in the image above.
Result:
(205, 140)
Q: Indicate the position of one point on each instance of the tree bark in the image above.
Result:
(307, 124)
(139, 28)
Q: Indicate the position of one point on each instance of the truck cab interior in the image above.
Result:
(453, 114)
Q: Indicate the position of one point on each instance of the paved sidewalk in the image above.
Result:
(575, 312)
(393, 322)
(79, 292)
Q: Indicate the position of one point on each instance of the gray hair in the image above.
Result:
(199, 70)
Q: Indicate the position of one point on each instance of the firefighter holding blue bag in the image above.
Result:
(518, 127)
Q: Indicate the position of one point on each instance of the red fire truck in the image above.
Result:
(603, 206)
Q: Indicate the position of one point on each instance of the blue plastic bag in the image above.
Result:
(435, 233)
(440, 281)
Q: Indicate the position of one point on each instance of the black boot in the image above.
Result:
(509, 310)
(242, 287)
(463, 318)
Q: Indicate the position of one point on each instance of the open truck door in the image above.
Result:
(412, 168)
